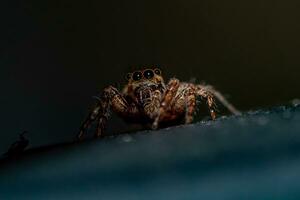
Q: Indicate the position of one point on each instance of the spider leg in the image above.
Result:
(208, 92)
(170, 93)
(185, 101)
(111, 98)
(103, 117)
(208, 95)
(190, 103)
(94, 114)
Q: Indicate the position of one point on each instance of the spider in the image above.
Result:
(147, 100)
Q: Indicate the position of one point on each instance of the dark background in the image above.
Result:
(56, 55)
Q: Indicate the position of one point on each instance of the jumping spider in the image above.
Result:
(146, 99)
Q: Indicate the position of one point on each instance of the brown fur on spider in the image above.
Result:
(147, 100)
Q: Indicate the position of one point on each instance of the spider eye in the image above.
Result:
(128, 76)
(157, 71)
(148, 74)
(137, 76)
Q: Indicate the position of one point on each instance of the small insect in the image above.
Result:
(147, 100)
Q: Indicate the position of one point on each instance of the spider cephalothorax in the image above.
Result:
(145, 89)
(148, 100)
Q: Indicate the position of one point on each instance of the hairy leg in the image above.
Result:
(93, 115)
(208, 95)
(110, 98)
(170, 93)
(190, 103)
(208, 92)
(185, 102)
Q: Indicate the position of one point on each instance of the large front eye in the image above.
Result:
(137, 76)
(148, 74)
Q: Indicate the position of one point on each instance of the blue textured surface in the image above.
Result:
(254, 156)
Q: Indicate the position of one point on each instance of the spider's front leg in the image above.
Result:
(170, 94)
(93, 115)
(110, 98)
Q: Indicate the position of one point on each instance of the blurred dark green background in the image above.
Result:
(55, 55)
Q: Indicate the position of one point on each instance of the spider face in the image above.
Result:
(143, 83)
